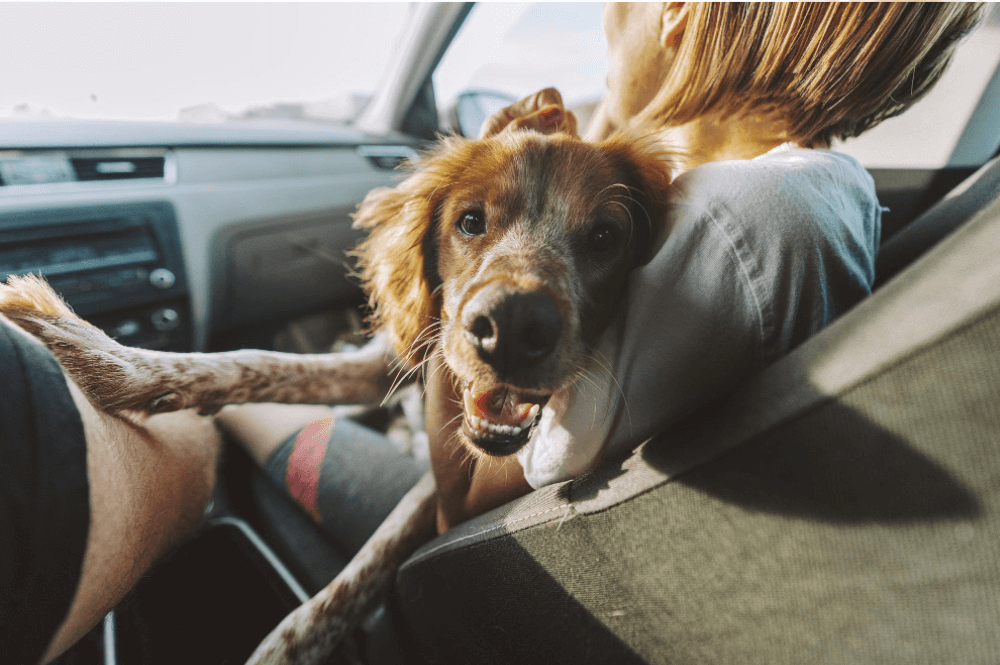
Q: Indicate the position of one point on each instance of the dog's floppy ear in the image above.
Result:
(648, 168)
(397, 261)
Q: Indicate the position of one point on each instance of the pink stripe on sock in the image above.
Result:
(304, 464)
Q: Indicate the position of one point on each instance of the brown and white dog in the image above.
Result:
(509, 256)
(506, 255)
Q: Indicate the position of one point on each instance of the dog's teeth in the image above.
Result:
(515, 431)
(470, 404)
(506, 429)
(522, 409)
(532, 414)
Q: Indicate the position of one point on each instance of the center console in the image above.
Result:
(119, 266)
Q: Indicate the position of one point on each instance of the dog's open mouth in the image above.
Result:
(499, 421)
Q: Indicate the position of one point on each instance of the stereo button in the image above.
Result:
(127, 328)
(165, 319)
(162, 278)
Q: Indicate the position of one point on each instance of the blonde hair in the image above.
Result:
(829, 70)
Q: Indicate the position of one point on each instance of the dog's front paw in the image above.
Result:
(112, 376)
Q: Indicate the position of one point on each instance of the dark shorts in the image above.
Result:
(347, 476)
(44, 507)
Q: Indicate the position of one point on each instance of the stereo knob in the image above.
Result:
(127, 328)
(165, 319)
(162, 278)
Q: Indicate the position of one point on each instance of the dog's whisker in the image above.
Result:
(439, 368)
(427, 334)
(424, 340)
(617, 198)
(601, 360)
(424, 348)
(649, 220)
(631, 199)
(455, 419)
(400, 379)
(585, 375)
(423, 392)
(605, 364)
(613, 186)
(631, 222)
(468, 456)
(424, 352)
(404, 376)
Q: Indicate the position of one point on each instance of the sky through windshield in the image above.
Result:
(150, 60)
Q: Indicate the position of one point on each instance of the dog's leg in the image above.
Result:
(120, 378)
(310, 633)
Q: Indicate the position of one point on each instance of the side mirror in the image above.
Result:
(473, 107)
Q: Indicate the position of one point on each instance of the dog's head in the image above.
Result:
(510, 255)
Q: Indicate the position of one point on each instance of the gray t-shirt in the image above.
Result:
(757, 256)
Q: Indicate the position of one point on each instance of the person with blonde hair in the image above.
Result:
(770, 235)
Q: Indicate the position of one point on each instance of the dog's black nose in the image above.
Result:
(510, 329)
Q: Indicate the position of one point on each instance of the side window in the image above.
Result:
(515, 49)
(956, 125)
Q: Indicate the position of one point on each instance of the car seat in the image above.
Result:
(843, 506)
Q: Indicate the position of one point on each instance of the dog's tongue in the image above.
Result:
(499, 406)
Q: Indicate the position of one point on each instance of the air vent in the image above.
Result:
(117, 168)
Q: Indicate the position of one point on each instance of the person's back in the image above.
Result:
(768, 244)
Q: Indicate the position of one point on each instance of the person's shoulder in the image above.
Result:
(801, 227)
(786, 179)
(787, 197)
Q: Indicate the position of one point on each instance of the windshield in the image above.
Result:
(194, 62)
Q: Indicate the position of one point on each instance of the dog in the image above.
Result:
(508, 256)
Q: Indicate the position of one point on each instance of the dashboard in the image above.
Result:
(187, 236)
(168, 234)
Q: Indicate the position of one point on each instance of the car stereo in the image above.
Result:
(119, 266)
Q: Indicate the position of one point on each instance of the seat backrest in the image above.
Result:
(957, 207)
(843, 507)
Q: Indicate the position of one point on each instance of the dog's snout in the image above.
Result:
(510, 329)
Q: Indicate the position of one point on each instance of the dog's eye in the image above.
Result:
(603, 238)
(472, 223)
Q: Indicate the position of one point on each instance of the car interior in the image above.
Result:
(851, 491)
